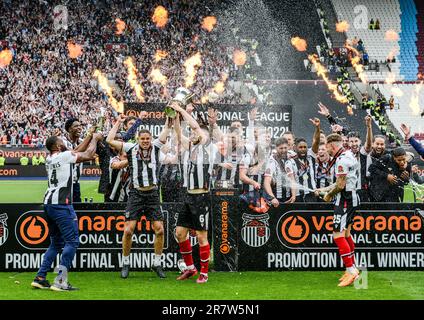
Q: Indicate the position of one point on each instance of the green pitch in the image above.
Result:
(32, 191)
(287, 285)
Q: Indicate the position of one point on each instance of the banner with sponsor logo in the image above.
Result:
(299, 237)
(277, 119)
(24, 238)
(16, 171)
(13, 154)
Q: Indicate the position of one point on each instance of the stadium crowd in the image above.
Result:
(43, 86)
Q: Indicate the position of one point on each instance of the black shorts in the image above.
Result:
(143, 203)
(343, 216)
(195, 214)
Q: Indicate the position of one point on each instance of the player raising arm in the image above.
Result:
(346, 203)
(61, 218)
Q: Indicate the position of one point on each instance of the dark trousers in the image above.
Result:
(76, 192)
(63, 230)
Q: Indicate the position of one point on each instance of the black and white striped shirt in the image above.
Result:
(304, 173)
(119, 181)
(277, 170)
(60, 168)
(255, 170)
(198, 163)
(71, 146)
(231, 175)
(144, 164)
(324, 176)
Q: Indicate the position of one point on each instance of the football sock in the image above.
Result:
(344, 251)
(126, 259)
(352, 247)
(156, 260)
(204, 258)
(185, 249)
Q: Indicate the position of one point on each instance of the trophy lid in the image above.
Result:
(183, 95)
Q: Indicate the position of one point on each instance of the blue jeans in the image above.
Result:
(63, 230)
(76, 197)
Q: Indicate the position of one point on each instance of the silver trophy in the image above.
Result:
(182, 96)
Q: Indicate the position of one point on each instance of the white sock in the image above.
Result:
(351, 270)
(156, 260)
(191, 267)
(126, 259)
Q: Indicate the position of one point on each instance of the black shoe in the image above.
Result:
(159, 271)
(40, 283)
(125, 271)
(65, 286)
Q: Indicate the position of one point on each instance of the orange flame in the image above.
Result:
(393, 53)
(342, 26)
(299, 43)
(209, 23)
(322, 72)
(132, 79)
(239, 57)
(160, 54)
(391, 35)
(397, 92)
(220, 85)
(391, 77)
(414, 103)
(6, 57)
(120, 26)
(158, 77)
(74, 50)
(104, 84)
(359, 68)
(190, 66)
(160, 16)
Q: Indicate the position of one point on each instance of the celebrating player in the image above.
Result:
(346, 204)
(198, 166)
(143, 162)
(60, 214)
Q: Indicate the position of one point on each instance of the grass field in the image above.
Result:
(32, 191)
(221, 286)
(397, 285)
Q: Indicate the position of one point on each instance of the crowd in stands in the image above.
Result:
(43, 86)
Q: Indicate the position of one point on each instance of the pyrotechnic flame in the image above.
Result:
(190, 66)
(299, 43)
(359, 68)
(322, 72)
(160, 54)
(391, 35)
(391, 77)
(6, 57)
(342, 26)
(209, 23)
(158, 77)
(74, 50)
(104, 84)
(397, 92)
(239, 57)
(132, 79)
(414, 103)
(160, 16)
(392, 53)
(220, 85)
(120, 26)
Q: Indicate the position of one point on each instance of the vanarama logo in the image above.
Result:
(225, 246)
(31, 230)
(8, 172)
(148, 115)
(312, 229)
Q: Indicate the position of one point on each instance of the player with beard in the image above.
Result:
(144, 158)
(346, 203)
(302, 167)
(279, 182)
(198, 160)
(361, 153)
